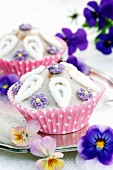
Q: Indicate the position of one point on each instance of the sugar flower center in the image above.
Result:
(19, 55)
(100, 144)
(5, 86)
(37, 100)
(86, 92)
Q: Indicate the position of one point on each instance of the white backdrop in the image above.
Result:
(49, 15)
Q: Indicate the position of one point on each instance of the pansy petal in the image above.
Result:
(13, 78)
(103, 37)
(71, 49)
(111, 31)
(93, 5)
(54, 164)
(105, 157)
(40, 164)
(106, 9)
(58, 155)
(32, 127)
(89, 17)
(102, 22)
(60, 36)
(80, 39)
(83, 67)
(101, 47)
(67, 32)
(33, 137)
(72, 60)
(36, 148)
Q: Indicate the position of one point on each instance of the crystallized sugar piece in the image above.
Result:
(61, 91)
(29, 87)
(33, 72)
(33, 46)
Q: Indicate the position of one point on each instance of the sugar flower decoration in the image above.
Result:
(97, 14)
(20, 55)
(25, 27)
(52, 50)
(6, 82)
(84, 94)
(105, 42)
(45, 148)
(81, 66)
(98, 144)
(74, 40)
(23, 136)
(16, 87)
(39, 101)
(56, 68)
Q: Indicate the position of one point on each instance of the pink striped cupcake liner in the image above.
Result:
(61, 121)
(22, 67)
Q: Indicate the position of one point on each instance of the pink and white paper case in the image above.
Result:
(61, 121)
(22, 67)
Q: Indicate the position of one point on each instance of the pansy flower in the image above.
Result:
(97, 14)
(81, 66)
(23, 136)
(74, 40)
(20, 55)
(6, 82)
(56, 68)
(105, 42)
(39, 101)
(97, 143)
(45, 148)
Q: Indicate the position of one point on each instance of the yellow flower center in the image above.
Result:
(5, 86)
(56, 66)
(37, 100)
(86, 92)
(19, 55)
(100, 144)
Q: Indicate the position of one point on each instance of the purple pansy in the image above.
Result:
(74, 40)
(25, 27)
(52, 50)
(97, 143)
(105, 42)
(84, 94)
(20, 55)
(39, 101)
(56, 68)
(16, 87)
(97, 14)
(6, 82)
(81, 66)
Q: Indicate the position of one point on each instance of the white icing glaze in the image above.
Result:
(30, 86)
(7, 44)
(51, 39)
(33, 46)
(83, 80)
(33, 72)
(68, 66)
(58, 86)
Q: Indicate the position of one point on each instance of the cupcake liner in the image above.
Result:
(22, 67)
(61, 121)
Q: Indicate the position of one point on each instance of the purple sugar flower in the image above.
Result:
(52, 50)
(74, 40)
(39, 101)
(105, 42)
(20, 55)
(97, 14)
(25, 27)
(97, 143)
(56, 68)
(84, 94)
(6, 82)
(16, 87)
(81, 66)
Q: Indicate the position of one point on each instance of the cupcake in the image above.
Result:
(27, 48)
(60, 97)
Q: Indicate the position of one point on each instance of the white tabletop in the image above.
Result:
(49, 15)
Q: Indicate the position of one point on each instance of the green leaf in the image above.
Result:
(86, 25)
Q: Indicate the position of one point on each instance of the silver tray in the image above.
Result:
(10, 117)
